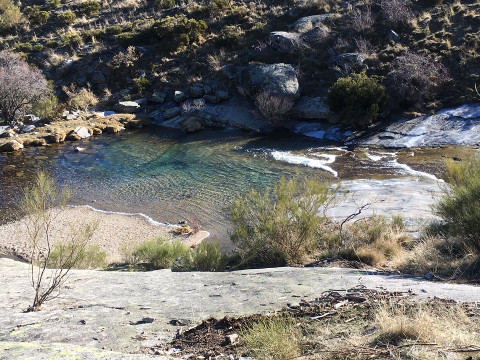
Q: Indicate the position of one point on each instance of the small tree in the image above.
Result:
(459, 208)
(280, 226)
(20, 86)
(357, 98)
(42, 204)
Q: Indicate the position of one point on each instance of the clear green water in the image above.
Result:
(171, 176)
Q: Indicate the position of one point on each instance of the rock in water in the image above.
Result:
(12, 145)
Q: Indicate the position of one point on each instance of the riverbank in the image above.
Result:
(82, 126)
(116, 233)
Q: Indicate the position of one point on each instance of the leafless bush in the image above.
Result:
(189, 107)
(364, 47)
(42, 204)
(416, 78)
(20, 86)
(362, 18)
(124, 61)
(396, 12)
(273, 106)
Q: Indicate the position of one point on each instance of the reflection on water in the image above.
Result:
(172, 176)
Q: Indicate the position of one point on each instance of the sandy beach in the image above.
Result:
(115, 233)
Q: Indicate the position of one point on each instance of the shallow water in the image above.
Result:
(171, 176)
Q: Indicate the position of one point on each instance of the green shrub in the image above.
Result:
(89, 35)
(67, 17)
(206, 257)
(10, 15)
(114, 30)
(141, 84)
(46, 108)
(174, 32)
(89, 257)
(52, 44)
(273, 338)
(281, 225)
(71, 39)
(126, 38)
(459, 208)
(38, 47)
(357, 98)
(53, 4)
(229, 37)
(24, 47)
(36, 15)
(160, 253)
(219, 7)
(89, 8)
(165, 4)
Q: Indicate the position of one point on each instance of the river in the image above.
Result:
(171, 176)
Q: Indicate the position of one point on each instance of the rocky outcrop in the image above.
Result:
(459, 126)
(310, 108)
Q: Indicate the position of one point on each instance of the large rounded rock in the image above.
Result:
(276, 81)
(12, 145)
(286, 42)
(348, 60)
(317, 36)
(309, 22)
(82, 132)
(192, 124)
(56, 137)
(172, 112)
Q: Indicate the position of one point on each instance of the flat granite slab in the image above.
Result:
(128, 312)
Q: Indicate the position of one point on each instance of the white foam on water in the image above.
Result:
(148, 218)
(394, 163)
(374, 158)
(290, 158)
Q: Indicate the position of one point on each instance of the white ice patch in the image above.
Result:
(290, 158)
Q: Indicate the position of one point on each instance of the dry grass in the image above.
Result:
(273, 338)
(375, 241)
